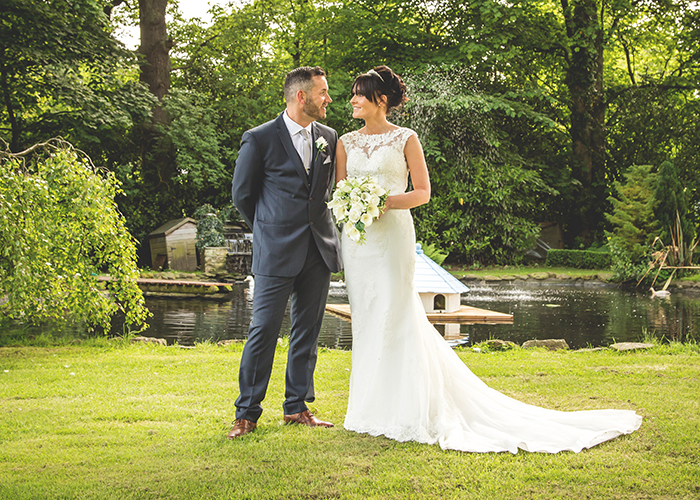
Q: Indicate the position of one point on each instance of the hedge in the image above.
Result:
(581, 259)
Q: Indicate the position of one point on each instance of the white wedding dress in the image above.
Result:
(406, 383)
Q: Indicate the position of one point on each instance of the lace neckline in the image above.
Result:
(377, 135)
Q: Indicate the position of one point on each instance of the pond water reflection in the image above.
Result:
(585, 315)
(590, 315)
(187, 321)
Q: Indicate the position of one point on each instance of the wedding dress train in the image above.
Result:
(406, 383)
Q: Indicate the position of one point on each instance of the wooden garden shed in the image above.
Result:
(173, 245)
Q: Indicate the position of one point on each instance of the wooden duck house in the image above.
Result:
(439, 291)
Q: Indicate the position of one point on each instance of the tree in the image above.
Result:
(652, 97)
(55, 57)
(157, 154)
(611, 85)
(633, 221)
(483, 192)
(584, 79)
(59, 230)
(577, 61)
(671, 207)
(238, 65)
(210, 227)
(179, 161)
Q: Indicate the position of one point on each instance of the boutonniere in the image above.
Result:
(321, 144)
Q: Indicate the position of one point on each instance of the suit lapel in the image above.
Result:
(286, 141)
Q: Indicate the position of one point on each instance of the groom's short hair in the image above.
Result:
(300, 79)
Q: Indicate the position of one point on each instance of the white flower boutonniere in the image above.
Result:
(321, 144)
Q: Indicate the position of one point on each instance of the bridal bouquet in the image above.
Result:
(357, 202)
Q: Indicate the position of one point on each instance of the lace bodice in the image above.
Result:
(379, 156)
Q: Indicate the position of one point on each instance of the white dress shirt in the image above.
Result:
(302, 142)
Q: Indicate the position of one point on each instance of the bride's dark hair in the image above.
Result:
(378, 82)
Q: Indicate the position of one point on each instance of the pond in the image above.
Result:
(584, 315)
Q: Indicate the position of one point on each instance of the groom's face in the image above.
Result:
(317, 99)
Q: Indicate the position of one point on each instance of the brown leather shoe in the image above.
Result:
(305, 418)
(240, 427)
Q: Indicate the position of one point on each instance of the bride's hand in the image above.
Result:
(385, 208)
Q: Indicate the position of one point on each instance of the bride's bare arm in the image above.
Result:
(420, 195)
(341, 171)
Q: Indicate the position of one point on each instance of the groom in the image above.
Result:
(284, 174)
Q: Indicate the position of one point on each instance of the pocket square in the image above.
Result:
(327, 160)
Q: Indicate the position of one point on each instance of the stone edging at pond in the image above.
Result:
(560, 344)
(493, 344)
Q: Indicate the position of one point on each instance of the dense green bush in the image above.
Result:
(580, 259)
(210, 227)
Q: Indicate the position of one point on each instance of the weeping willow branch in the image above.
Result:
(52, 145)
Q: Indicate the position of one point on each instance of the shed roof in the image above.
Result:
(171, 225)
(431, 278)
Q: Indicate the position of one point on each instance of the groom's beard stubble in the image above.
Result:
(313, 111)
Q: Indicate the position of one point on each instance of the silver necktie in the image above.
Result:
(306, 159)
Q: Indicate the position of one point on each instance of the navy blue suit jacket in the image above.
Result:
(281, 203)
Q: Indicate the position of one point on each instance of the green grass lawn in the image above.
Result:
(107, 420)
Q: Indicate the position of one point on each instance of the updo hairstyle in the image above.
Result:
(378, 82)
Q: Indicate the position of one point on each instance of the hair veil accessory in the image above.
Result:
(374, 73)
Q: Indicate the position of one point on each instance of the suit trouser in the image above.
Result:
(309, 290)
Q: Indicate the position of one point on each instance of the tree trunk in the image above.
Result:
(157, 157)
(155, 46)
(14, 123)
(584, 80)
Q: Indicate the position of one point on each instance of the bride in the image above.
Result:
(406, 382)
